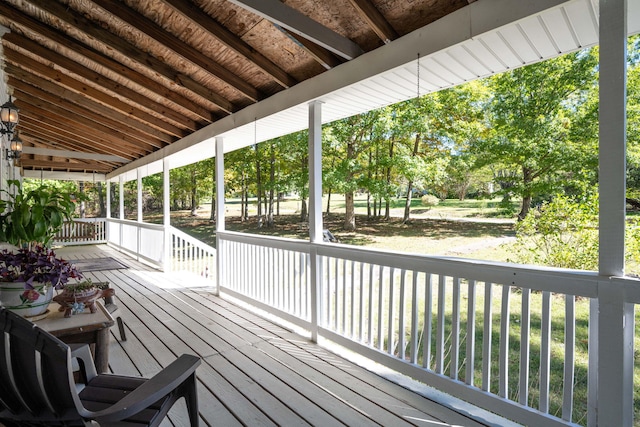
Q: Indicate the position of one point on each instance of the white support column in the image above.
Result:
(315, 213)
(121, 196)
(166, 215)
(108, 196)
(315, 171)
(107, 225)
(139, 194)
(120, 206)
(615, 319)
(220, 213)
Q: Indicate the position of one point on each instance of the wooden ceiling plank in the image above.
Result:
(375, 19)
(146, 60)
(188, 52)
(291, 19)
(34, 163)
(207, 23)
(24, 78)
(63, 122)
(16, 59)
(25, 91)
(102, 81)
(80, 49)
(72, 154)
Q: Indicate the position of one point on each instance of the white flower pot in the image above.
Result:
(26, 303)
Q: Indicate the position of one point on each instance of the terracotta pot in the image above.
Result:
(26, 303)
(67, 298)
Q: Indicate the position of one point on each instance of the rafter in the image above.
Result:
(112, 41)
(232, 41)
(188, 52)
(325, 58)
(291, 19)
(16, 60)
(70, 166)
(375, 19)
(18, 18)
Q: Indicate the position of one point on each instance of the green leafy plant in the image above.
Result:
(33, 217)
(429, 200)
(561, 233)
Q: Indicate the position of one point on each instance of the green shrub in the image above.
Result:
(429, 200)
(561, 233)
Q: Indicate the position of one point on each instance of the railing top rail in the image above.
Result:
(266, 241)
(192, 240)
(157, 227)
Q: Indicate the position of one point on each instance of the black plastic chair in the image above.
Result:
(37, 385)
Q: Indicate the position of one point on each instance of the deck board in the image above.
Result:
(253, 372)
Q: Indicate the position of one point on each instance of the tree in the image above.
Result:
(532, 112)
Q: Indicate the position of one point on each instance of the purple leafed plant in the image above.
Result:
(38, 264)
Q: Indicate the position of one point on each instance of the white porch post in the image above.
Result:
(315, 212)
(220, 211)
(108, 196)
(107, 225)
(614, 360)
(121, 206)
(139, 193)
(166, 215)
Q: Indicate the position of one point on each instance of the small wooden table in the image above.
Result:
(84, 328)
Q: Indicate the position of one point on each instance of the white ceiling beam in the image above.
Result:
(291, 19)
(73, 154)
(64, 176)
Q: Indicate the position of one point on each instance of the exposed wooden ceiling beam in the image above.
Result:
(59, 121)
(16, 59)
(375, 19)
(325, 58)
(188, 52)
(38, 132)
(232, 41)
(72, 154)
(33, 95)
(291, 19)
(112, 41)
(18, 18)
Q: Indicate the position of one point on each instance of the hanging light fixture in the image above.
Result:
(8, 117)
(15, 149)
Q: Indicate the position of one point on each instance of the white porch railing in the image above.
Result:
(142, 240)
(190, 254)
(461, 326)
(82, 231)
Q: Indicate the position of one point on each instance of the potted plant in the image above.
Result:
(28, 277)
(29, 219)
(75, 297)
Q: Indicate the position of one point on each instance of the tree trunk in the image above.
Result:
(82, 205)
(194, 196)
(349, 217)
(101, 202)
(328, 201)
(368, 205)
(527, 178)
(407, 204)
(387, 207)
(212, 217)
(304, 211)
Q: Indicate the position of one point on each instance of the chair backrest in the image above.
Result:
(36, 378)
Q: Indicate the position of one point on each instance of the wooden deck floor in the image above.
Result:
(253, 372)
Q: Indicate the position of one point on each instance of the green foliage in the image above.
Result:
(561, 233)
(429, 200)
(33, 216)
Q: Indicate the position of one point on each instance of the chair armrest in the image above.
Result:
(82, 352)
(163, 383)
